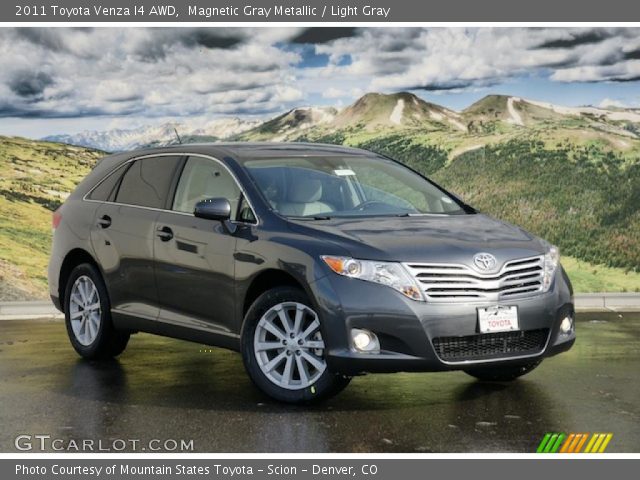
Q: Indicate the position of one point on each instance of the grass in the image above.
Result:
(35, 177)
(587, 277)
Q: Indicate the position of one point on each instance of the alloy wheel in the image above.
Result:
(85, 311)
(288, 346)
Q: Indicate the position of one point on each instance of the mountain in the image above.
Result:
(497, 112)
(156, 135)
(403, 109)
(292, 124)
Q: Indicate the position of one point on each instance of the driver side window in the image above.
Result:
(201, 179)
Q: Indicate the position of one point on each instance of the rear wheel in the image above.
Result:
(88, 315)
(502, 374)
(283, 348)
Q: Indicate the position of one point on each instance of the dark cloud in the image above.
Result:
(576, 39)
(162, 39)
(324, 34)
(437, 87)
(48, 38)
(632, 55)
(389, 66)
(209, 38)
(30, 84)
(25, 112)
(634, 78)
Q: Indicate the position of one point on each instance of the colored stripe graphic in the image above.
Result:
(565, 447)
(543, 443)
(574, 443)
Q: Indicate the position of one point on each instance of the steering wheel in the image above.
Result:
(370, 203)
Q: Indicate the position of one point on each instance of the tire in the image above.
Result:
(502, 374)
(92, 334)
(301, 374)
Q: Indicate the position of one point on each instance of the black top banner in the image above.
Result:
(350, 11)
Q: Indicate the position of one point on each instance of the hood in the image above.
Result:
(430, 238)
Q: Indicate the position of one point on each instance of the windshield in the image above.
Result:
(345, 186)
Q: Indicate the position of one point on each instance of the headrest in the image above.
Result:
(305, 190)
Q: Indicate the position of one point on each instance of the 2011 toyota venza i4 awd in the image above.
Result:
(316, 262)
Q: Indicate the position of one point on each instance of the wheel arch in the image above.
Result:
(73, 258)
(266, 280)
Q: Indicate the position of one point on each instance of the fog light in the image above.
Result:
(365, 341)
(567, 325)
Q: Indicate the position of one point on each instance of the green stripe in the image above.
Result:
(543, 443)
(555, 448)
(550, 443)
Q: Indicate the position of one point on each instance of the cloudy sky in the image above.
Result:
(63, 80)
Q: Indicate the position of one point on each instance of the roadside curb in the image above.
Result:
(584, 302)
(607, 302)
(31, 310)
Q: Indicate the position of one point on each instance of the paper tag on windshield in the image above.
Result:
(345, 172)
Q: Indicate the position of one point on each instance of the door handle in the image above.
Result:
(104, 221)
(164, 233)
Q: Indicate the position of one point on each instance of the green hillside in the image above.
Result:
(35, 177)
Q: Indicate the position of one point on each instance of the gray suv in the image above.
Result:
(316, 262)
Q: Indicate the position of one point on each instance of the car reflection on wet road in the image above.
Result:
(167, 389)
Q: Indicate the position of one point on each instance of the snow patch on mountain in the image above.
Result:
(396, 114)
(516, 119)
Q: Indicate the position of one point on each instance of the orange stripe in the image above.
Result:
(580, 445)
(567, 442)
(574, 443)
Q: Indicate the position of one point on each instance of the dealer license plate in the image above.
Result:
(498, 318)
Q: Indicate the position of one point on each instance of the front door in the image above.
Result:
(194, 263)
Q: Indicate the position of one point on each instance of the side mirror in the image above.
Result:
(213, 209)
(216, 209)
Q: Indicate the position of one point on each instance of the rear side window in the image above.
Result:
(147, 182)
(106, 190)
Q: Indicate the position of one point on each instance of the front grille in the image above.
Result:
(446, 283)
(489, 346)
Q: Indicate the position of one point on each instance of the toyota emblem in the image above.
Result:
(484, 261)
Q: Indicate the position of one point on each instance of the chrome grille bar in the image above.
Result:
(447, 283)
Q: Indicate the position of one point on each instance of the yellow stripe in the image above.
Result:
(582, 440)
(590, 444)
(607, 439)
(565, 446)
(596, 445)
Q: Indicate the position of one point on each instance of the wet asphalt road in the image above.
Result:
(168, 389)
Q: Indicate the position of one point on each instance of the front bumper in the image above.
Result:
(407, 328)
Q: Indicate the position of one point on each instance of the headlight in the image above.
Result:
(551, 262)
(390, 274)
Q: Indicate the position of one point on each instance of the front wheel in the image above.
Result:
(283, 348)
(502, 374)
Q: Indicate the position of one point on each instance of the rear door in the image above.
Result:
(195, 257)
(123, 234)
